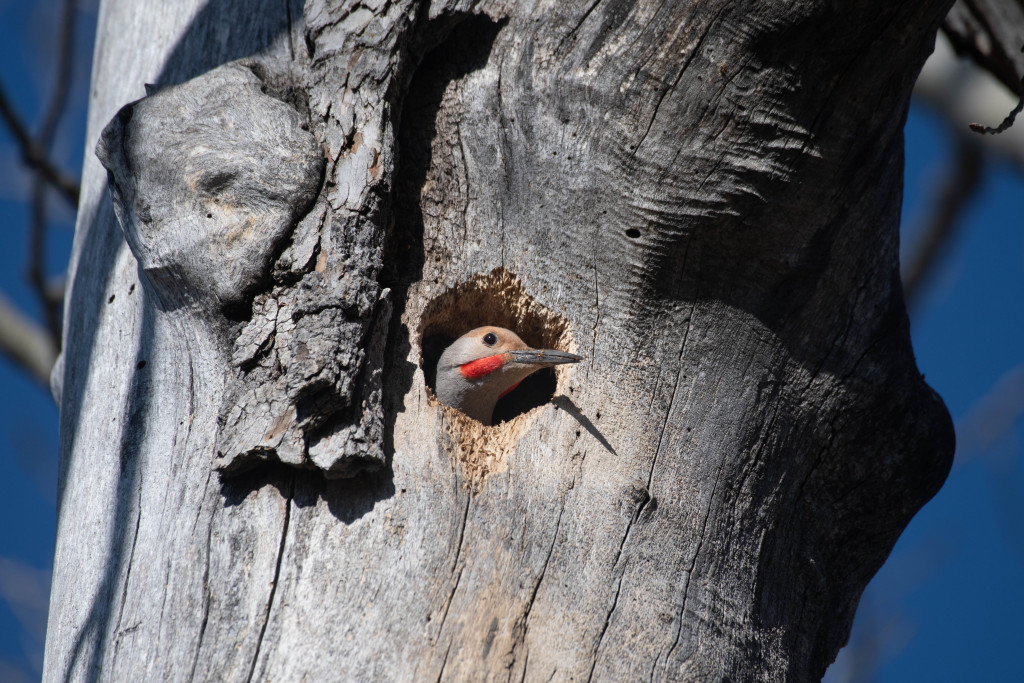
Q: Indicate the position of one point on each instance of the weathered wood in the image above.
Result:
(701, 198)
(210, 179)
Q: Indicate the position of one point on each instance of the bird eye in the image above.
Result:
(490, 339)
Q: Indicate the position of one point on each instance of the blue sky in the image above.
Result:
(947, 605)
(948, 601)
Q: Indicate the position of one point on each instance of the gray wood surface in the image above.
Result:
(700, 198)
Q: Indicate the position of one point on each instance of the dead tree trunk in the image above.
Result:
(700, 198)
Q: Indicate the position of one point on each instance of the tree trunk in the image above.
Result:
(701, 198)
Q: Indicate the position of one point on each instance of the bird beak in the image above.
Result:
(542, 357)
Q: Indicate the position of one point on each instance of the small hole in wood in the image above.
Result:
(632, 233)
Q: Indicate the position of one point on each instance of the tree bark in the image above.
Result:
(701, 198)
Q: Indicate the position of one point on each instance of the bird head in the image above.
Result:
(484, 364)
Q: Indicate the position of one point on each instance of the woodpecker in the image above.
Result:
(484, 364)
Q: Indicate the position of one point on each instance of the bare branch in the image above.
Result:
(961, 92)
(988, 31)
(958, 91)
(62, 82)
(993, 415)
(34, 157)
(26, 343)
(950, 199)
(44, 142)
(1007, 122)
(50, 300)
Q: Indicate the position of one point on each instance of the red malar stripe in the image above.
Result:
(475, 369)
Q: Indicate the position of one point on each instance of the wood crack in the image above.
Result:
(462, 533)
(604, 629)
(675, 82)
(540, 579)
(273, 585)
(526, 662)
(455, 570)
(618, 588)
(675, 388)
(597, 295)
(572, 32)
(206, 604)
(693, 563)
(444, 662)
(128, 573)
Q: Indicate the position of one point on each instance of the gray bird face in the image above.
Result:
(486, 363)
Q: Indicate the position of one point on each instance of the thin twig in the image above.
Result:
(34, 157)
(1007, 122)
(62, 83)
(993, 416)
(37, 253)
(950, 201)
(44, 142)
(26, 343)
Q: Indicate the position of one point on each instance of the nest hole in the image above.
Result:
(497, 298)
